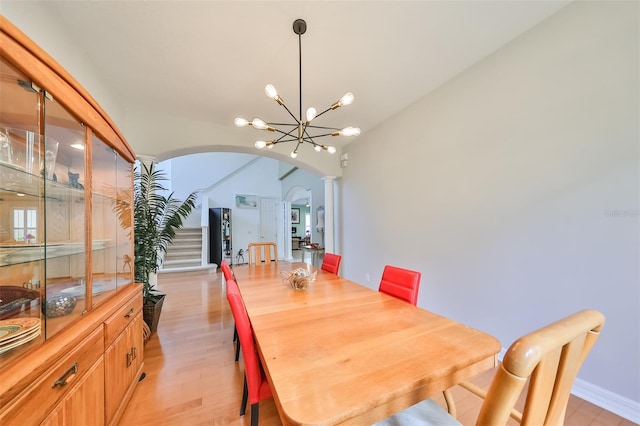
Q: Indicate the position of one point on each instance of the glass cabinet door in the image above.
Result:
(22, 233)
(124, 237)
(63, 170)
(112, 265)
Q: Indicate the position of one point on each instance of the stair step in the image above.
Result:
(188, 270)
(182, 243)
(185, 251)
(189, 246)
(190, 256)
(180, 262)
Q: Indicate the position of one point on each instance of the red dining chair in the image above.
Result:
(229, 275)
(232, 288)
(331, 263)
(256, 387)
(400, 283)
(226, 271)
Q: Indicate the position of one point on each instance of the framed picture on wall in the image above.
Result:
(246, 201)
(295, 215)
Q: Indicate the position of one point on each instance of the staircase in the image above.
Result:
(185, 252)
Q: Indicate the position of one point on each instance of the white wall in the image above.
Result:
(41, 27)
(514, 189)
(260, 179)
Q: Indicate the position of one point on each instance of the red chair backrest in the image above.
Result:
(252, 365)
(226, 270)
(400, 283)
(232, 288)
(331, 263)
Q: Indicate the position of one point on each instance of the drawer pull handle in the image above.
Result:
(128, 314)
(67, 376)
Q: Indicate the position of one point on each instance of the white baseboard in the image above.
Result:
(617, 404)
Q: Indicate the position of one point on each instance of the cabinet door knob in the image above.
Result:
(128, 314)
(67, 376)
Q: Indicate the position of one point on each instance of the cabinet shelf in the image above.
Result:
(11, 254)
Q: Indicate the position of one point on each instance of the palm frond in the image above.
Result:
(156, 219)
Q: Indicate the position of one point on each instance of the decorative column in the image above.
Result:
(328, 214)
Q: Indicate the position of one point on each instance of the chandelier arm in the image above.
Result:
(326, 110)
(285, 133)
(290, 113)
(323, 127)
(281, 139)
(294, 125)
(323, 135)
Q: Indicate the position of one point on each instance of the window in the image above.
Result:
(25, 223)
(307, 224)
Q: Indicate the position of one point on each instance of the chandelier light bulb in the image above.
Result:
(347, 99)
(259, 124)
(260, 144)
(271, 91)
(311, 114)
(270, 145)
(350, 131)
(240, 122)
(331, 149)
(317, 148)
(294, 154)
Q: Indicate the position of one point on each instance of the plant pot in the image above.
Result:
(151, 312)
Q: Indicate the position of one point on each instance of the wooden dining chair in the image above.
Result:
(262, 252)
(331, 263)
(549, 359)
(403, 284)
(256, 387)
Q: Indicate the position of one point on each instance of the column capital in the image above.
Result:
(147, 159)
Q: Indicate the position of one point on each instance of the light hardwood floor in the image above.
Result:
(192, 379)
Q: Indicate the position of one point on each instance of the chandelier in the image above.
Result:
(301, 131)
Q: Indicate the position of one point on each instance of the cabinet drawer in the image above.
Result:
(52, 387)
(117, 322)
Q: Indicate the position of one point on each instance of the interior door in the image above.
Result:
(269, 219)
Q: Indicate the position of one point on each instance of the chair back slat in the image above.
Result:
(551, 358)
(260, 252)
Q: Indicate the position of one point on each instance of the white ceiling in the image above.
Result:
(210, 60)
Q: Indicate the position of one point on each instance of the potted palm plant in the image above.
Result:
(156, 217)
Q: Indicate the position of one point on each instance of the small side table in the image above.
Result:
(315, 254)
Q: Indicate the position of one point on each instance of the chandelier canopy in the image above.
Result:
(301, 130)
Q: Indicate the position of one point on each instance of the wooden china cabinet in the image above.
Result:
(71, 344)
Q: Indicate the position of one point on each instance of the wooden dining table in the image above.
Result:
(341, 353)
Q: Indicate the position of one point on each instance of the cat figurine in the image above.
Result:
(73, 180)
